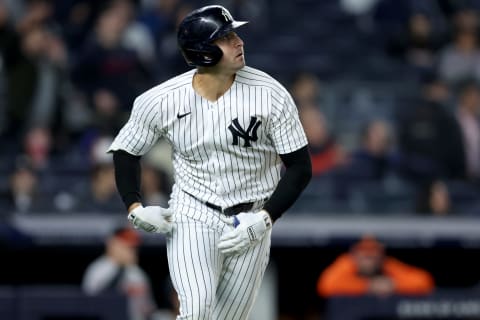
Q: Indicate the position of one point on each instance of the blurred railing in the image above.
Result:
(291, 230)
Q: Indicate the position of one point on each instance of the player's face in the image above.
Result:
(232, 48)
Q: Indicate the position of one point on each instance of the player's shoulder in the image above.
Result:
(255, 77)
(167, 87)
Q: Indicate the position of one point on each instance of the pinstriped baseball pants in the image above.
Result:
(210, 285)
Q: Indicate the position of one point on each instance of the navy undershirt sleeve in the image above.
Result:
(297, 174)
(127, 176)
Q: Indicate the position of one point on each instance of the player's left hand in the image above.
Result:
(249, 228)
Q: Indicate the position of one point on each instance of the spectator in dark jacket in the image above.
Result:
(430, 142)
(110, 74)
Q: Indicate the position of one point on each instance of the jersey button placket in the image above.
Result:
(212, 108)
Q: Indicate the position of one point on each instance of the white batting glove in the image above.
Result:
(250, 228)
(151, 219)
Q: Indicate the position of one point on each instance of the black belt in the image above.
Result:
(230, 211)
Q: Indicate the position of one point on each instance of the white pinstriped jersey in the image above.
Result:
(224, 152)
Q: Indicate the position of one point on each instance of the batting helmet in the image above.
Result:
(199, 29)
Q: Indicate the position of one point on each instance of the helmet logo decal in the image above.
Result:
(226, 15)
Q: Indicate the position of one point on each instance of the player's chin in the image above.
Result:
(240, 62)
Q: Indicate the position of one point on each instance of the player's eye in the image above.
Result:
(229, 36)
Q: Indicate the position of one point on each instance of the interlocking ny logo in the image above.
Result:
(249, 135)
(226, 16)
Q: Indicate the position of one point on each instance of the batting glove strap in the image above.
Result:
(151, 219)
(255, 224)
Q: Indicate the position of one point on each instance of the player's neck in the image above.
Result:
(212, 86)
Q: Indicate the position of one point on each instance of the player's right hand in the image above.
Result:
(151, 219)
(249, 229)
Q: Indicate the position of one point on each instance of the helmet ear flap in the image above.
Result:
(205, 55)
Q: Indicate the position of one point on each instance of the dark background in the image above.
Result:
(297, 268)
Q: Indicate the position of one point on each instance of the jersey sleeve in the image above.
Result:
(285, 127)
(141, 131)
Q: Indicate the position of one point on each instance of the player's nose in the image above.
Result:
(238, 41)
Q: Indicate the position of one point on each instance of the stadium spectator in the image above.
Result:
(24, 192)
(100, 196)
(77, 21)
(361, 180)
(305, 89)
(434, 199)
(37, 148)
(430, 142)
(35, 62)
(325, 152)
(36, 13)
(436, 90)
(159, 16)
(117, 270)
(465, 19)
(467, 114)
(167, 51)
(367, 270)
(460, 59)
(97, 193)
(418, 44)
(136, 36)
(110, 74)
(374, 159)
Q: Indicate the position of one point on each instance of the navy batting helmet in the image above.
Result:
(199, 29)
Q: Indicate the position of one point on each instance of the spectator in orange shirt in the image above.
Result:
(367, 270)
(326, 153)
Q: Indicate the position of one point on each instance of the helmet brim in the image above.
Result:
(232, 26)
(236, 24)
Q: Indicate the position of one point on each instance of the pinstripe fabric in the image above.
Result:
(206, 162)
(209, 284)
(225, 152)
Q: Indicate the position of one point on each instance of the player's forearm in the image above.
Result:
(127, 178)
(297, 175)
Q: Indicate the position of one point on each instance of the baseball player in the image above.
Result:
(231, 127)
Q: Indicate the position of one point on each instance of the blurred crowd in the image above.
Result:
(70, 70)
(423, 155)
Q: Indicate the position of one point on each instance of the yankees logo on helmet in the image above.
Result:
(227, 16)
